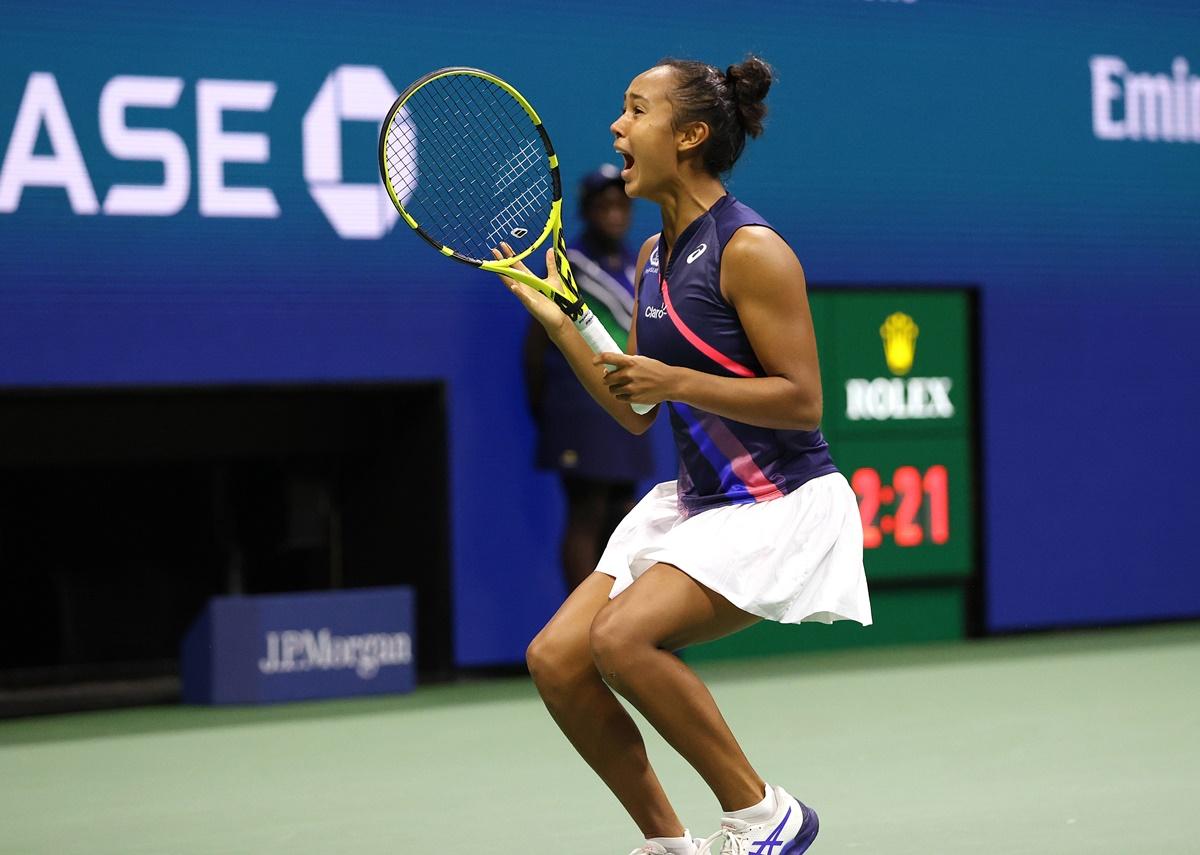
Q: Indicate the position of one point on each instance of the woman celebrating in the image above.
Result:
(759, 525)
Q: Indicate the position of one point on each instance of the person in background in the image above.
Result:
(598, 461)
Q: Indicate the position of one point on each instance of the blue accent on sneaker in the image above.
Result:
(767, 847)
(807, 833)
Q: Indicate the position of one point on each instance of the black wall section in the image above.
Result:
(121, 512)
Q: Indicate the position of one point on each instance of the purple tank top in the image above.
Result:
(683, 319)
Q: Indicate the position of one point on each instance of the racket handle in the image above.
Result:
(600, 341)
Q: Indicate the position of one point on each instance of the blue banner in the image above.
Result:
(189, 194)
(291, 647)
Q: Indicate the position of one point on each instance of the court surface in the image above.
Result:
(1075, 743)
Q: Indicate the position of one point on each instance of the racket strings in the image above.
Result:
(526, 208)
(469, 166)
(518, 165)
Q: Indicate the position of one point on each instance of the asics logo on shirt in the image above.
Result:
(655, 311)
(696, 253)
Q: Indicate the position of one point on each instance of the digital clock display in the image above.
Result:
(915, 499)
(922, 512)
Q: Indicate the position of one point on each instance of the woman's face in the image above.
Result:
(645, 133)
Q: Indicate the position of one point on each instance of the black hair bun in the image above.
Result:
(750, 82)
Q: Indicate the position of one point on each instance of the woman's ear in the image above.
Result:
(691, 137)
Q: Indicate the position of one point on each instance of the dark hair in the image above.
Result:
(730, 103)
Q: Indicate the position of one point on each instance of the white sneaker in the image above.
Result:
(789, 832)
(657, 849)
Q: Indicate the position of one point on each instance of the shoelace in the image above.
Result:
(731, 843)
(649, 849)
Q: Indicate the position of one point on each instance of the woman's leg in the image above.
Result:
(664, 610)
(591, 717)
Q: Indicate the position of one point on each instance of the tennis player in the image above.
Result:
(759, 525)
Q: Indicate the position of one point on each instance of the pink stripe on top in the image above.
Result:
(699, 343)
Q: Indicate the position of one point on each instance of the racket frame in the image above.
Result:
(567, 299)
(553, 225)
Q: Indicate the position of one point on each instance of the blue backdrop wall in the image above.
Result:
(190, 196)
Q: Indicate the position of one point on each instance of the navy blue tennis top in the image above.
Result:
(683, 319)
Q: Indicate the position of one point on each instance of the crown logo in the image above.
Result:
(899, 333)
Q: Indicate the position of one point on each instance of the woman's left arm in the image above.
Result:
(763, 280)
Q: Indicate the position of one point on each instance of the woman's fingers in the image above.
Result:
(534, 300)
(616, 360)
(508, 253)
(615, 381)
(509, 282)
(552, 267)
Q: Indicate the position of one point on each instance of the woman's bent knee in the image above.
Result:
(539, 657)
(555, 664)
(614, 646)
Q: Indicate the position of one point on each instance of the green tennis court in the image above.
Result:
(1076, 743)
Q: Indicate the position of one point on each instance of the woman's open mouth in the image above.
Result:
(628, 165)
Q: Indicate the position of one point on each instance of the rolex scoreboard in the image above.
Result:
(897, 368)
(898, 371)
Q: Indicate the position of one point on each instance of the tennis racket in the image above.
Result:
(469, 166)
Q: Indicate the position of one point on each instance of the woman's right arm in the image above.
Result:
(568, 340)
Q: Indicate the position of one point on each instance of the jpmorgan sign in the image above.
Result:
(351, 93)
(285, 647)
(303, 650)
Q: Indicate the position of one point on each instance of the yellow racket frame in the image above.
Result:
(569, 295)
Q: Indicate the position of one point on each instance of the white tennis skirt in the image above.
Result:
(793, 559)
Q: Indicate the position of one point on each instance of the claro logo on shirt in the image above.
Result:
(655, 312)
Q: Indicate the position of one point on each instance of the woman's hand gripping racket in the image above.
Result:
(470, 168)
